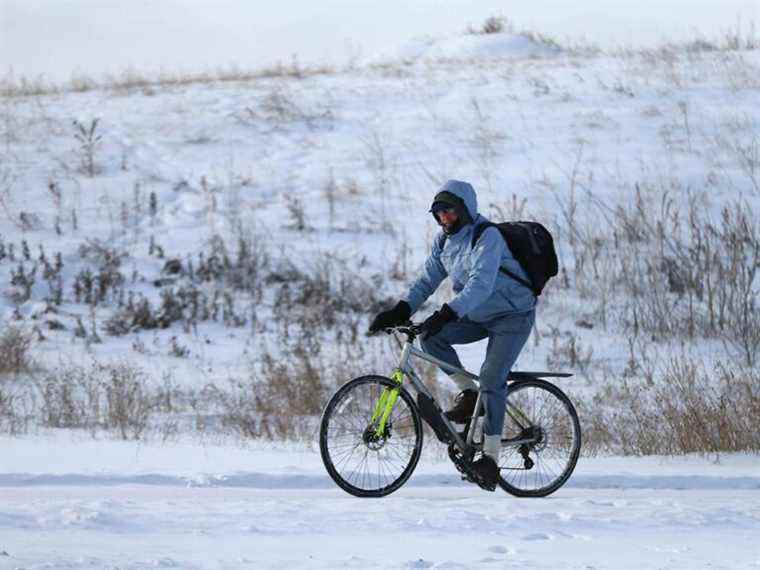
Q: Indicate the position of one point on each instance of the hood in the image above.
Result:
(466, 192)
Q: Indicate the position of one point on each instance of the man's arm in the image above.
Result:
(433, 273)
(486, 256)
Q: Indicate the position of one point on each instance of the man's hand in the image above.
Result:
(395, 316)
(435, 322)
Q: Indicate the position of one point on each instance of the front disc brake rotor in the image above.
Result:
(374, 441)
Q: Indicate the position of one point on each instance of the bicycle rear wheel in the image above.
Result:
(538, 409)
(359, 462)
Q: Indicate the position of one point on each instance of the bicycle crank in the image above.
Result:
(463, 466)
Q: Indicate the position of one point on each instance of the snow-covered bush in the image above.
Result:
(494, 25)
(113, 397)
(15, 347)
(89, 140)
(16, 409)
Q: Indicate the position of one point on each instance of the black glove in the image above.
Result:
(397, 315)
(434, 323)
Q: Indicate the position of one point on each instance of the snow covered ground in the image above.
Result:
(76, 503)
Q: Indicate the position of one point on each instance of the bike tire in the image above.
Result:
(400, 461)
(555, 458)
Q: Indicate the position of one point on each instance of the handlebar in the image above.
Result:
(410, 329)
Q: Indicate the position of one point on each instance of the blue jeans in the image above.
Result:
(506, 337)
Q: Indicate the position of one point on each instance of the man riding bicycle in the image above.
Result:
(487, 304)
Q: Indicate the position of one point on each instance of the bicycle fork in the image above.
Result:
(385, 404)
(427, 407)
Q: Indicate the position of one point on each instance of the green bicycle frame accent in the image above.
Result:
(385, 403)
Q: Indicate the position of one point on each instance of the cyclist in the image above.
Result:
(487, 304)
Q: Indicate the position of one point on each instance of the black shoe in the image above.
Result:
(464, 406)
(486, 472)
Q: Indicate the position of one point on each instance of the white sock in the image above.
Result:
(492, 446)
(463, 382)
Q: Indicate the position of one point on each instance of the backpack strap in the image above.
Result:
(478, 231)
(517, 278)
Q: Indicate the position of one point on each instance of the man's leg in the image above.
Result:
(506, 338)
(439, 345)
(457, 332)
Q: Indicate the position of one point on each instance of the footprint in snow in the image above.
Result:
(356, 562)
(498, 549)
(163, 563)
(571, 536)
(538, 536)
(419, 563)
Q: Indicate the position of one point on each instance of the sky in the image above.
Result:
(59, 38)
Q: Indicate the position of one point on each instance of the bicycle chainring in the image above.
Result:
(462, 464)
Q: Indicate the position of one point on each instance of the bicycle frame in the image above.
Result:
(388, 398)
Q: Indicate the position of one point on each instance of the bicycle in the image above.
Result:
(370, 435)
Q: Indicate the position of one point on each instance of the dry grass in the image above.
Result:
(662, 265)
(131, 80)
(280, 400)
(111, 397)
(689, 410)
(502, 25)
(17, 406)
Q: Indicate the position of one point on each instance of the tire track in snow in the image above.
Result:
(255, 480)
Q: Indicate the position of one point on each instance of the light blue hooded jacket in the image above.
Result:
(482, 291)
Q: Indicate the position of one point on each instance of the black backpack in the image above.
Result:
(532, 246)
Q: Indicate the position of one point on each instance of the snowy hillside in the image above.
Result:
(339, 169)
(481, 47)
(191, 263)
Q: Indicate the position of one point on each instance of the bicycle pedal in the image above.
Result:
(470, 477)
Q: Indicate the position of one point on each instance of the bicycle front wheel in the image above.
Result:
(360, 461)
(539, 411)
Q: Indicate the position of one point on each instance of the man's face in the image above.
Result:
(447, 218)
